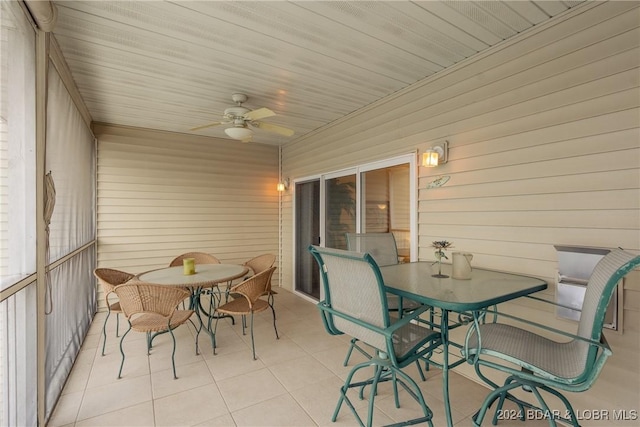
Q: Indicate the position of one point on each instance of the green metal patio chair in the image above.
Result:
(382, 247)
(355, 304)
(543, 364)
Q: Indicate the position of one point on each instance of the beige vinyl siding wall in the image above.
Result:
(544, 149)
(162, 194)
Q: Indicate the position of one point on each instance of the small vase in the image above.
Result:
(439, 255)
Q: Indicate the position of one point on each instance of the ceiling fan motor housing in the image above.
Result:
(235, 112)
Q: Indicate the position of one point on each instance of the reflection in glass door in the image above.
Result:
(340, 210)
(307, 217)
(386, 204)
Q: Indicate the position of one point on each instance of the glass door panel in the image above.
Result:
(307, 217)
(340, 210)
(386, 204)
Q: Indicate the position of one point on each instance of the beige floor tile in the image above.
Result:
(277, 351)
(282, 410)
(190, 407)
(86, 356)
(227, 342)
(301, 372)
(190, 376)
(105, 370)
(320, 400)
(248, 389)
(137, 415)
(112, 397)
(314, 341)
(160, 357)
(333, 358)
(66, 410)
(230, 365)
(78, 379)
(222, 421)
(346, 417)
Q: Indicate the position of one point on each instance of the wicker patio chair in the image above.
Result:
(356, 304)
(248, 302)
(109, 278)
(151, 308)
(259, 264)
(546, 364)
(199, 257)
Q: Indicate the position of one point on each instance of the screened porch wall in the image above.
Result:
(162, 194)
(544, 144)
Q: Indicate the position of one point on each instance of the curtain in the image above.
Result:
(18, 345)
(71, 301)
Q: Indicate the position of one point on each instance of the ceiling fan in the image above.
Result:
(242, 120)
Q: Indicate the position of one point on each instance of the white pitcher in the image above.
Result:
(462, 265)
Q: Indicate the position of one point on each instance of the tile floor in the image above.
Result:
(294, 382)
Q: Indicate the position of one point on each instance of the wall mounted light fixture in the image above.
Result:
(283, 185)
(436, 155)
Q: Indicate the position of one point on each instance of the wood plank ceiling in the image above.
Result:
(173, 65)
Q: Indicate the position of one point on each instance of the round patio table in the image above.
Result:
(207, 276)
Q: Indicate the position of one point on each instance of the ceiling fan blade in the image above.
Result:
(274, 128)
(258, 114)
(208, 125)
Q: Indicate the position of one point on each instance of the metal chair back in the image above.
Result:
(381, 246)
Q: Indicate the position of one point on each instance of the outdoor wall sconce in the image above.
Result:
(436, 155)
(283, 185)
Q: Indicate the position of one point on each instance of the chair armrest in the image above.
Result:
(406, 318)
(387, 332)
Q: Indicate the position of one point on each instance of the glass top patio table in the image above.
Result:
(206, 275)
(484, 289)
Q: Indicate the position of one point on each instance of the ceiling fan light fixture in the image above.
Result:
(241, 133)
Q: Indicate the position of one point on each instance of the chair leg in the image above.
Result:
(104, 331)
(271, 301)
(122, 351)
(501, 393)
(244, 324)
(253, 345)
(117, 324)
(373, 393)
(215, 330)
(274, 323)
(173, 354)
(357, 347)
(383, 372)
(416, 393)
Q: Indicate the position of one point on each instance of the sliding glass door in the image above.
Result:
(373, 198)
